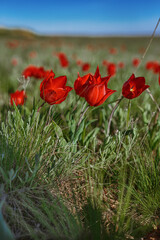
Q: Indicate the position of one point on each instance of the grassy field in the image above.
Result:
(61, 179)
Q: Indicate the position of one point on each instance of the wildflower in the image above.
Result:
(85, 67)
(113, 51)
(133, 87)
(105, 63)
(150, 65)
(54, 90)
(121, 64)
(63, 60)
(136, 62)
(33, 71)
(93, 88)
(18, 97)
(111, 68)
(154, 66)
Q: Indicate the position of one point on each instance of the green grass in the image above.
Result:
(60, 182)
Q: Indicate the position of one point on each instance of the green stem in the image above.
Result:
(111, 116)
(128, 114)
(153, 99)
(41, 106)
(82, 115)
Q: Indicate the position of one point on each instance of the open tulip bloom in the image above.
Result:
(133, 87)
(93, 88)
(54, 90)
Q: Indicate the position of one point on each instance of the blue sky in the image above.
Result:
(71, 17)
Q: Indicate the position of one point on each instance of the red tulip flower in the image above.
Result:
(63, 60)
(113, 51)
(93, 88)
(133, 87)
(111, 68)
(85, 67)
(33, 71)
(81, 84)
(40, 73)
(105, 63)
(18, 97)
(149, 65)
(136, 62)
(121, 64)
(156, 68)
(54, 90)
(29, 71)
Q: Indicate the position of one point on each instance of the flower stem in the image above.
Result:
(40, 106)
(111, 116)
(128, 113)
(153, 99)
(82, 115)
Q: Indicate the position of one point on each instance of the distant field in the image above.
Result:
(62, 175)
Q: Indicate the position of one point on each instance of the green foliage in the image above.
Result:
(30, 147)
(5, 232)
(112, 182)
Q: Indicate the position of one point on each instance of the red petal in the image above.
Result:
(59, 82)
(80, 85)
(131, 77)
(47, 82)
(92, 95)
(106, 79)
(97, 73)
(68, 89)
(54, 97)
(139, 82)
(108, 93)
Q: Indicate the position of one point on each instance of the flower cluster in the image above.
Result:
(93, 88)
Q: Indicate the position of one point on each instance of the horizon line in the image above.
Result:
(99, 35)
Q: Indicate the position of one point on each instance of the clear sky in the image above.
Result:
(81, 17)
